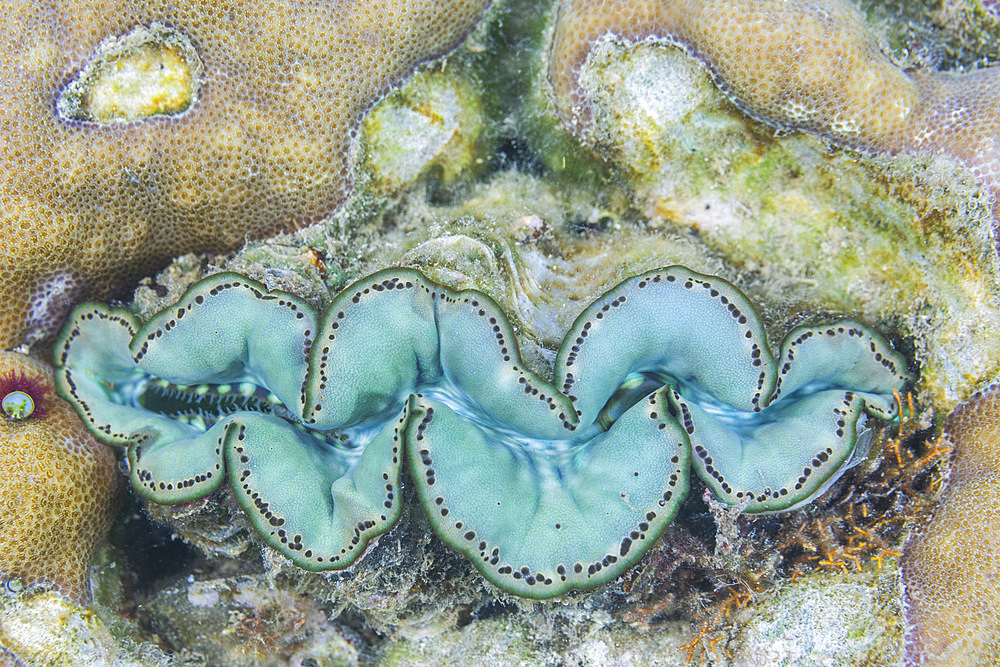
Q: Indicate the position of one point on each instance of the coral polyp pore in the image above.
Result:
(546, 486)
(18, 405)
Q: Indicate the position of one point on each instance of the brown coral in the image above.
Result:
(951, 568)
(804, 64)
(59, 487)
(229, 120)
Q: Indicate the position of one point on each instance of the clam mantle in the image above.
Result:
(546, 486)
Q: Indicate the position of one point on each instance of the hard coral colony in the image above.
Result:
(545, 487)
(814, 65)
(137, 131)
(58, 485)
(950, 566)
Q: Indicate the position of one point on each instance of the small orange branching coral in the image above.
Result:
(137, 131)
(857, 526)
(868, 519)
(59, 487)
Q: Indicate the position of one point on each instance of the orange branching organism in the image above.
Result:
(137, 131)
(59, 486)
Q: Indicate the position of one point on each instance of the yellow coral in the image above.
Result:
(951, 567)
(804, 64)
(58, 487)
(263, 145)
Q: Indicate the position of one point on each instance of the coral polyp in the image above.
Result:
(547, 486)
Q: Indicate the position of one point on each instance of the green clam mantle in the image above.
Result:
(544, 486)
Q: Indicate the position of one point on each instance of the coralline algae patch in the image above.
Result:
(951, 566)
(58, 486)
(820, 230)
(46, 629)
(138, 131)
(852, 608)
(247, 620)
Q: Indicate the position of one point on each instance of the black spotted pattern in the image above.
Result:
(167, 491)
(272, 525)
(875, 345)
(520, 578)
(212, 286)
(67, 384)
(409, 435)
(711, 287)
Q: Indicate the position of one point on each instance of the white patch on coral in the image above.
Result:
(201, 594)
(665, 87)
(713, 214)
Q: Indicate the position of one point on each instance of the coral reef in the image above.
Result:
(403, 367)
(471, 175)
(950, 566)
(819, 228)
(184, 126)
(58, 486)
(813, 65)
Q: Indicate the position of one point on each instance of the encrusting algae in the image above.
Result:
(59, 487)
(951, 566)
(127, 142)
